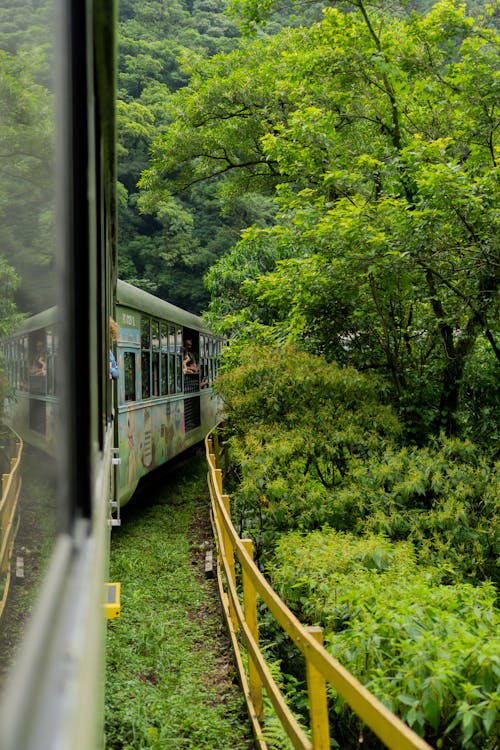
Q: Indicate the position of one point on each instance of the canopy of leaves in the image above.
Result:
(379, 139)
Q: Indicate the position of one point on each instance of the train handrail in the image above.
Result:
(9, 517)
(321, 667)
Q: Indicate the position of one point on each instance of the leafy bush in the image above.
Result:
(296, 424)
(314, 445)
(429, 651)
(444, 498)
(378, 543)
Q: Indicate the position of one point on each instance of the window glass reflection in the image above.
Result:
(28, 316)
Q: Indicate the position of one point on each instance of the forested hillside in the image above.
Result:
(330, 171)
(165, 251)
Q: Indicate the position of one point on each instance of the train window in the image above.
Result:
(38, 362)
(155, 359)
(164, 357)
(146, 357)
(178, 360)
(23, 345)
(29, 519)
(164, 373)
(13, 365)
(210, 360)
(171, 359)
(204, 369)
(155, 366)
(174, 359)
(52, 346)
(218, 356)
(129, 375)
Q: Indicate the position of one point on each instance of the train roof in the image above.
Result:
(39, 320)
(128, 296)
(131, 296)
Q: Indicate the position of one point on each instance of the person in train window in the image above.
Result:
(190, 368)
(113, 364)
(189, 363)
(38, 365)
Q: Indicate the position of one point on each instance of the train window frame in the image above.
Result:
(178, 359)
(163, 357)
(145, 357)
(155, 358)
(59, 707)
(171, 347)
(129, 375)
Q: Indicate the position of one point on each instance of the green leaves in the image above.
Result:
(421, 646)
(165, 256)
(379, 544)
(297, 425)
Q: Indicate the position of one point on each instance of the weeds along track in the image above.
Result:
(170, 678)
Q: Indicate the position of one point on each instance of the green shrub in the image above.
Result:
(296, 423)
(444, 498)
(377, 543)
(429, 651)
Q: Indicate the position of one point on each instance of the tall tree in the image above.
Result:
(380, 137)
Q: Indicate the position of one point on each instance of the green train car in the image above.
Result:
(161, 408)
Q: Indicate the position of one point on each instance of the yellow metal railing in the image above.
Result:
(321, 667)
(9, 516)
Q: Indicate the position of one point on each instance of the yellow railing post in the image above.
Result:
(318, 707)
(229, 553)
(218, 479)
(216, 448)
(250, 604)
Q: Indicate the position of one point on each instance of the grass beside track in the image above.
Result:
(170, 680)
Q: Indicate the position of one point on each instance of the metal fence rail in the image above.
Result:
(9, 513)
(321, 667)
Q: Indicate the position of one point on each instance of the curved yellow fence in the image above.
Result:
(9, 516)
(321, 667)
